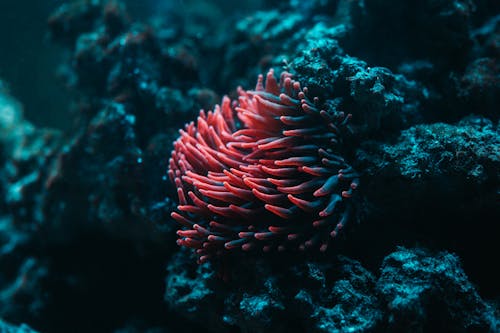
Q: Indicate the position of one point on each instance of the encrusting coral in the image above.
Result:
(269, 179)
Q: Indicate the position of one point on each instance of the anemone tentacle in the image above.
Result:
(262, 173)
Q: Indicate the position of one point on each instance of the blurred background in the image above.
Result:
(29, 61)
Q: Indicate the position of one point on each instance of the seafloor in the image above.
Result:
(87, 123)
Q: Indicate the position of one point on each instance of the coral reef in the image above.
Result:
(428, 290)
(7, 328)
(416, 289)
(85, 225)
(278, 297)
(451, 170)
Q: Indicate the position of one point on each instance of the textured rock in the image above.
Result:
(430, 291)
(8, 328)
(260, 296)
(436, 185)
(467, 150)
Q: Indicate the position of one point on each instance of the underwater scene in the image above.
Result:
(254, 166)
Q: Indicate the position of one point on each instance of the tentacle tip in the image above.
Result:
(319, 193)
(346, 194)
(266, 248)
(247, 247)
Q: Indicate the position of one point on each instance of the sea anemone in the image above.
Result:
(262, 173)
